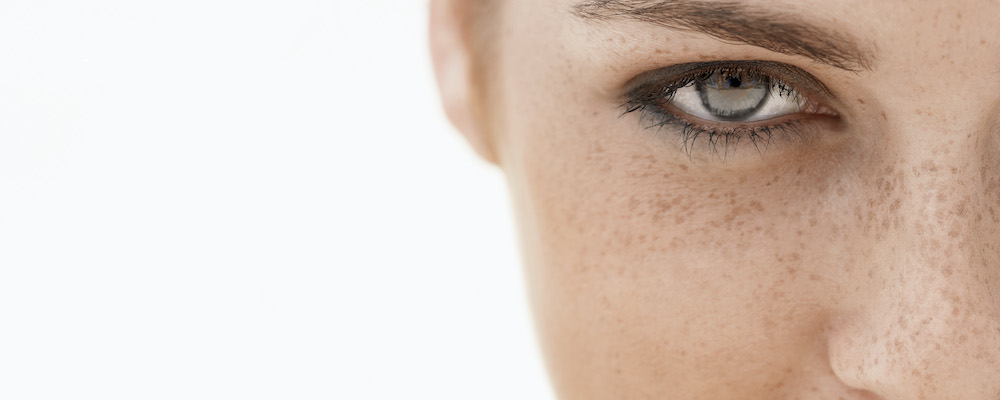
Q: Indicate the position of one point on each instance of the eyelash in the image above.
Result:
(649, 100)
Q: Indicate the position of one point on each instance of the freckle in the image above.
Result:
(664, 205)
(895, 205)
(930, 166)
(627, 240)
(684, 167)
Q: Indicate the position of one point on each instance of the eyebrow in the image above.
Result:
(735, 22)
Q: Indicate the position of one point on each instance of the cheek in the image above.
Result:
(643, 277)
(647, 272)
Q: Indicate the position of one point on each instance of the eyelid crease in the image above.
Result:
(676, 73)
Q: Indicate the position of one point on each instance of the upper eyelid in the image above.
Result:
(800, 79)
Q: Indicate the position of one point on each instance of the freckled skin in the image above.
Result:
(860, 262)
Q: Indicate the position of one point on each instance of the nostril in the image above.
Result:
(860, 394)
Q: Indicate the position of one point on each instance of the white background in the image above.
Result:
(222, 199)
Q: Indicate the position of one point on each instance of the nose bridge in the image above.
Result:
(932, 329)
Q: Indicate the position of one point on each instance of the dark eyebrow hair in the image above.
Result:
(736, 22)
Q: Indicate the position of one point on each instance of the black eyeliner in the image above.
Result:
(650, 93)
(786, 72)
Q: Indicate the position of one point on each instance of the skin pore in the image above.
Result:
(847, 250)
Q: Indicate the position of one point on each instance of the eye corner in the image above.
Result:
(761, 103)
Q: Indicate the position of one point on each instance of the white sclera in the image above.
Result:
(688, 99)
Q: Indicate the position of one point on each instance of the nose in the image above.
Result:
(929, 323)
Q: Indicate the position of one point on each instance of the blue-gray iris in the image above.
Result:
(732, 96)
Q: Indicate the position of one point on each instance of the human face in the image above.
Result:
(844, 246)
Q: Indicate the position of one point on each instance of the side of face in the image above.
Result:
(852, 255)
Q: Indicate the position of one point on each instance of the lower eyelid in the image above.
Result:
(698, 138)
(697, 134)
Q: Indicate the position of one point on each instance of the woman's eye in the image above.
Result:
(736, 96)
(729, 102)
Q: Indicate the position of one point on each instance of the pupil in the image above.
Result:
(732, 96)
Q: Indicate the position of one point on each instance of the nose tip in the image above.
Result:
(920, 346)
(929, 327)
